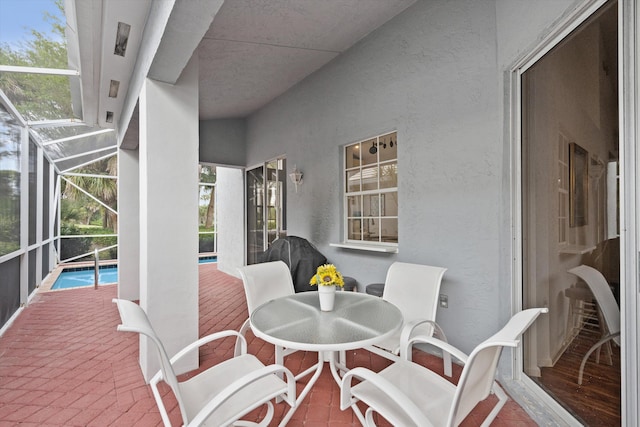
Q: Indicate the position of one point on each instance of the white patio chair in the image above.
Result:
(608, 307)
(407, 394)
(262, 283)
(223, 393)
(415, 290)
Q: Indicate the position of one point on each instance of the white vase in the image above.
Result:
(327, 295)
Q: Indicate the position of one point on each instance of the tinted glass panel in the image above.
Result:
(354, 206)
(32, 270)
(352, 156)
(388, 147)
(9, 183)
(9, 288)
(45, 260)
(206, 243)
(42, 97)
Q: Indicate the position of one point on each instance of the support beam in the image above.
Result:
(129, 225)
(168, 214)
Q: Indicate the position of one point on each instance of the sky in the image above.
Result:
(18, 17)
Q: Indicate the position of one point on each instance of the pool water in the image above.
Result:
(76, 278)
(80, 277)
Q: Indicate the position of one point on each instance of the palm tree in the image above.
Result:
(103, 189)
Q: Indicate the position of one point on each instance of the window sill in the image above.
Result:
(364, 247)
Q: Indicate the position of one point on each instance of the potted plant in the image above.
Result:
(327, 277)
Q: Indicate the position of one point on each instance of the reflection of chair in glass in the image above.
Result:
(223, 393)
(406, 393)
(607, 306)
(582, 314)
(414, 289)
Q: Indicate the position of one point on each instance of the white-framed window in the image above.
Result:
(371, 190)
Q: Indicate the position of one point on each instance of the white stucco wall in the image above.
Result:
(230, 220)
(129, 225)
(168, 216)
(431, 74)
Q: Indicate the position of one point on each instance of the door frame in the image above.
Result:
(629, 122)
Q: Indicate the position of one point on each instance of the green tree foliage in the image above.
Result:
(37, 96)
(42, 97)
(9, 183)
(104, 189)
(207, 194)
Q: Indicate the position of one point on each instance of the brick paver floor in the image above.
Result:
(62, 363)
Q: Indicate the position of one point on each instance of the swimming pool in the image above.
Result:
(84, 276)
(78, 277)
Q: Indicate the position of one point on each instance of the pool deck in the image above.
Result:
(62, 363)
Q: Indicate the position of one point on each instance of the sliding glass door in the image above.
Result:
(266, 206)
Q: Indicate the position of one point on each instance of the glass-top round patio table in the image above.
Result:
(296, 321)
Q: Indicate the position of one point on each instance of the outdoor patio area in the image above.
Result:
(62, 363)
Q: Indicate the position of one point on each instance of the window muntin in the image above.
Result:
(371, 190)
(33, 191)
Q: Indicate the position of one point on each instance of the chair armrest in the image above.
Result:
(387, 388)
(242, 382)
(207, 339)
(444, 346)
(242, 331)
(408, 329)
(240, 342)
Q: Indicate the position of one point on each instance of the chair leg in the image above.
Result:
(502, 399)
(279, 357)
(158, 398)
(446, 357)
(446, 361)
(279, 360)
(370, 422)
(342, 359)
(264, 423)
(594, 347)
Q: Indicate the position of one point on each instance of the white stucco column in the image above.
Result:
(169, 214)
(230, 221)
(128, 225)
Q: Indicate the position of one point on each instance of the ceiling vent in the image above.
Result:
(122, 37)
(113, 88)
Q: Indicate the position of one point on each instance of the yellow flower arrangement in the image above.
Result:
(327, 275)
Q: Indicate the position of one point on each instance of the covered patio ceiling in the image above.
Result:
(249, 52)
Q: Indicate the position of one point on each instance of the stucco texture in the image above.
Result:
(431, 75)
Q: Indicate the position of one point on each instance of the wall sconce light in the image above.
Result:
(296, 177)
